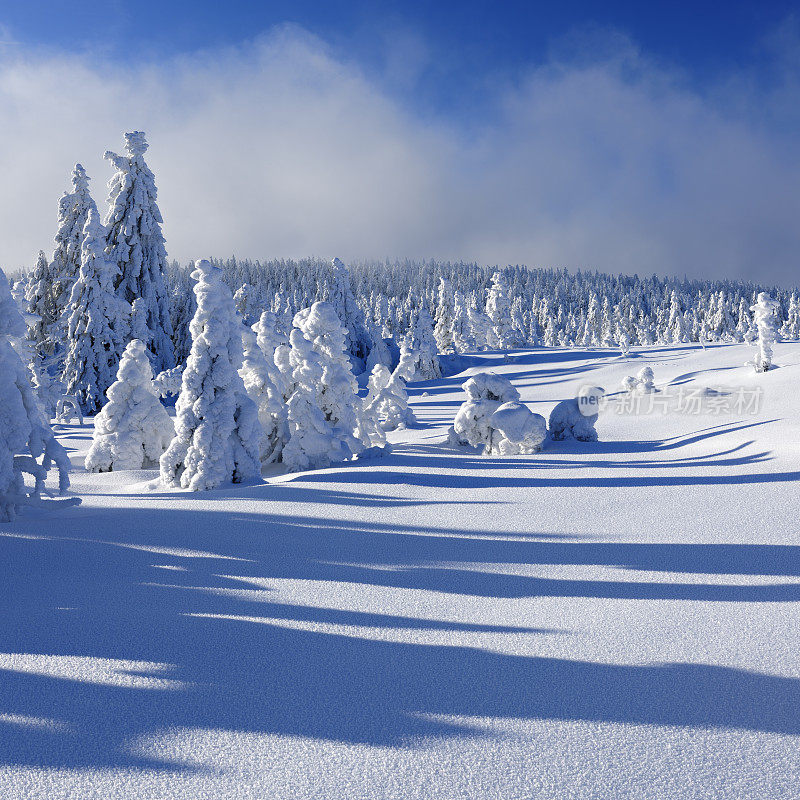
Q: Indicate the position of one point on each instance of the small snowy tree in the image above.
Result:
(576, 418)
(312, 442)
(338, 292)
(257, 375)
(338, 390)
(765, 319)
(25, 434)
(498, 307)
(95, 323)
(445, 313)
(423, 342)
(40, 301)
(135, 245)
(486, 392)
(516, 430)
(133, 429)
(217, 432)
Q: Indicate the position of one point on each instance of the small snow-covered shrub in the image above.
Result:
(486, 392)
(516, 430)
(168, 382)
(387, 400)
(643, 383)
(765, 319)
(576, 418)
(133, 429)
(217, 432)
(646, 379)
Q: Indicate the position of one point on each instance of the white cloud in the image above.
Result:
(279, 148)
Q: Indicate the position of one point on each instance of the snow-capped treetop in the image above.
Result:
(73, 211)
(135, 244)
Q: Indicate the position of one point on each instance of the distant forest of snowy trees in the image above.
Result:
(109, 282)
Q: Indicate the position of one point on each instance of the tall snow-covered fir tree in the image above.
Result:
(97, 323)
(135, 244)
(73, 211)
(217, 432)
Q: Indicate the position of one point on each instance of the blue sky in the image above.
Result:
(456, 50)
(622, 136)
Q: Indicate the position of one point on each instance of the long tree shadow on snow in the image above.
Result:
(187, 594)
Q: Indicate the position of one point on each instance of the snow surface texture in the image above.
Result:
(133, 429)
(619, 620)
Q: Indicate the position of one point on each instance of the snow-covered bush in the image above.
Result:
(217, 432)
(646, 380)
(576, 418)
(256, 374)
(643, 383)
(516, 430)
(486, 392)
(25, 433)
(168, 382)
(765, 319)
(133, 429)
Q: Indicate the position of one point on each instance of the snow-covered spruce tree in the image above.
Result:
(445, 313)
(338, 292)
(423, 342)
(133, 429)
(41, 304)
(25, 434)
(217, 432)
(312, 442)
(73, 211)
(96, 322)
(135, 245)
(765, 318)
(387, 399)
(645, 380)
(498, 307)
(269, 337)
(338, 390)
(480, 327)
(462, 330)
(257, 374)
(676, 324)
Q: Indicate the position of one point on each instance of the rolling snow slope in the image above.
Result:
(610, 620)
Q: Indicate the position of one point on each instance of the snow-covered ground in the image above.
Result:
(609, 620)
